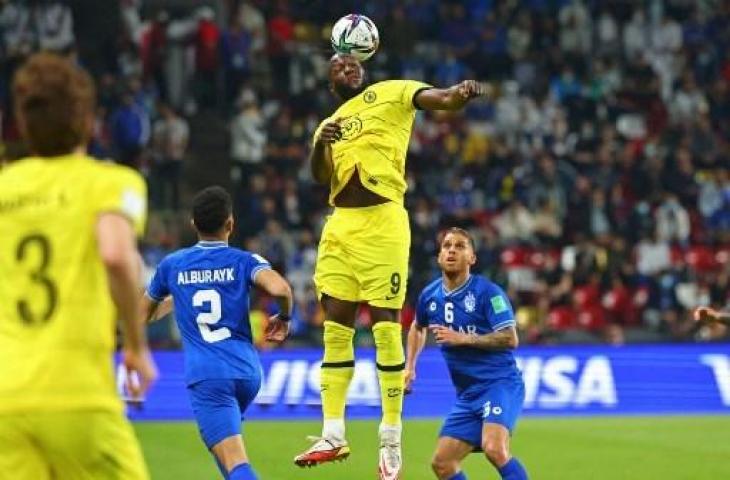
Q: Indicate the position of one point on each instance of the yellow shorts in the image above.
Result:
(363, 255)
(93, 445)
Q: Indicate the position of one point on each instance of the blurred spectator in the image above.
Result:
(248, 136)
(206, 40)
(154, 47)
(515, 223)
(672, 221)
(54, 25)
(130, 125)
(170, 136)
(652, 256)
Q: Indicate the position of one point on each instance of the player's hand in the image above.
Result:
(141, 372)
(705, 315)
(409, 378)
(471, 88)
(331, 132)
(446, 336)
(277, 330)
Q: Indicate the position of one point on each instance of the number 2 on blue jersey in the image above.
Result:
(211, 317)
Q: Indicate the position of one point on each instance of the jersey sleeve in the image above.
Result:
(158, 288)
(122, 190)
(318, 130)
(254, 264)
(421, 312)
(498, 309)
(410, 89)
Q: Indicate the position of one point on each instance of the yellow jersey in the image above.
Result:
(57, 318)
(376, 127)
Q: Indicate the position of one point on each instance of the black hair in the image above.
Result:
(211, 208)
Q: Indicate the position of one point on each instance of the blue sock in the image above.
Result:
(242, 471)
(223, 470)
(513, 470)
(459, 476)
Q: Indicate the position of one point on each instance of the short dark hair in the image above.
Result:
(211, 208)
(53, 101)
(457, 231)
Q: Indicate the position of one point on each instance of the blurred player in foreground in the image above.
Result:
(707, 315)
(209, 284)
(360, 151)
(472, 319)
(69, 267)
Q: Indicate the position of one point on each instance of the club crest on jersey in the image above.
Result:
(351, 128)
(369, 96)
(432, 307)
(470, 302)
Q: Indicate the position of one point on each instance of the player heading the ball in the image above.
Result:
(360, 152)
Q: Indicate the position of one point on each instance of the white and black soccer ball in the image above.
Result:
(355, 35)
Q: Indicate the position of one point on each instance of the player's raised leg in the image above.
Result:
(495, 444)
(446, 462)
(338, 366)
(390, 363)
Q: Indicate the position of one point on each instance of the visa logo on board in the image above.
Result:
(552, 383)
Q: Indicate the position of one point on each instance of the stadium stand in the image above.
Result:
(596, 182)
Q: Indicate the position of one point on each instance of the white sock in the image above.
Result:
(334, 428)
(390, 430)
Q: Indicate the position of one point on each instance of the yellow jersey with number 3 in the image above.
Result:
(57, 318)
(376, 128)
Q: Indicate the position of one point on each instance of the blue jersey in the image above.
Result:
(209, 284)
(478, 307)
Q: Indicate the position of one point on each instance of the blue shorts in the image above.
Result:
(219, 405)
(498, 401)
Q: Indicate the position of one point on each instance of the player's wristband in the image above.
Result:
(284, 317)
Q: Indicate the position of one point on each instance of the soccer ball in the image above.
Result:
(355, 35)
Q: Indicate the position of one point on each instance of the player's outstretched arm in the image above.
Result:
(710, 315)
(416, 341)
(504, 339)
(275, 285)
(452, 98)
(152, 310)
(320, 158)
(118, 252)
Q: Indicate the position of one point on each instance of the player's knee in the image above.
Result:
(496, 451)
(443, 467)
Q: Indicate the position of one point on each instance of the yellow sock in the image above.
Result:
(337, 369)
(390, 362)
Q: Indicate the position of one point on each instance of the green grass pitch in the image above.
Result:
(608, 448)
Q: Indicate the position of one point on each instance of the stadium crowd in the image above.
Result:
(596, 182)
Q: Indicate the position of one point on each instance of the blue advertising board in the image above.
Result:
(669, 379)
